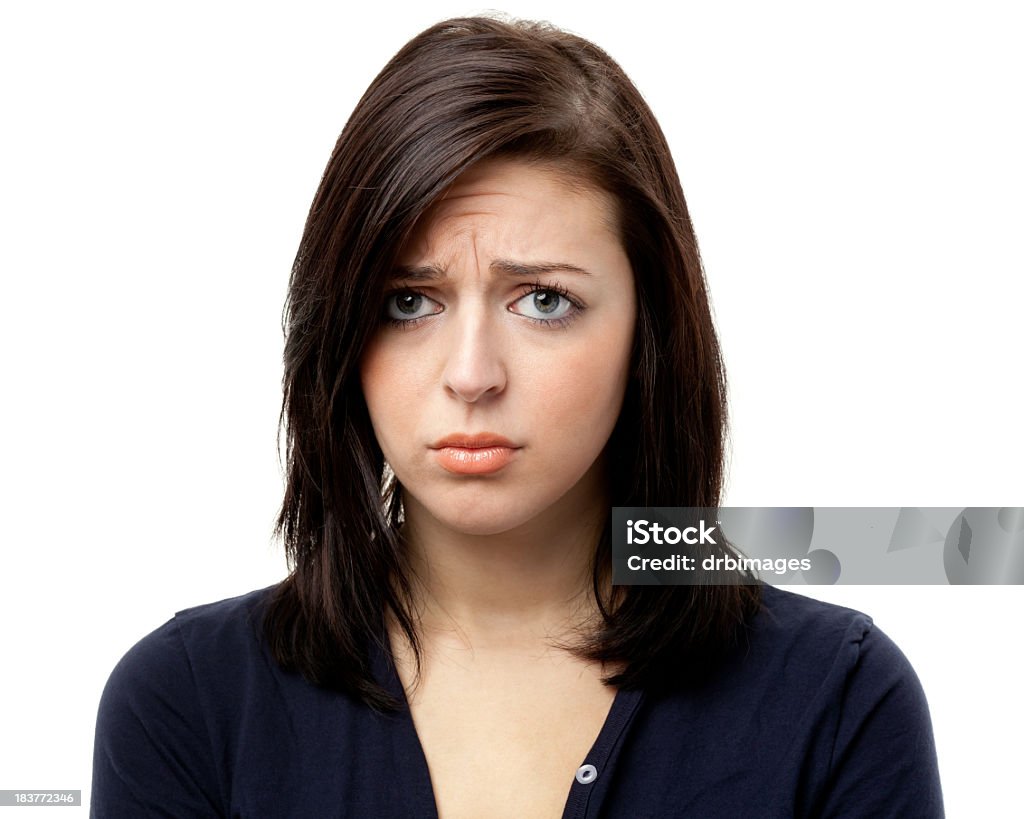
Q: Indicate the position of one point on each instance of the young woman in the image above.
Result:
(498, 329)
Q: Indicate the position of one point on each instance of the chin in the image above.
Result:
(479, 516)
(481, 524)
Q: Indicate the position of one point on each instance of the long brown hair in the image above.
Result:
(462, 91)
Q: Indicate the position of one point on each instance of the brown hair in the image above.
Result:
(462, 91)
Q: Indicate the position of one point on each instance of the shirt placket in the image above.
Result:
(593, 778)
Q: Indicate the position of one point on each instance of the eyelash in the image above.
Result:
(558, 289)
(404, 324)
(532, 287)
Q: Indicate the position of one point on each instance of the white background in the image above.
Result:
(854, 172)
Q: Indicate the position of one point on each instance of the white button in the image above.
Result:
(586, 774)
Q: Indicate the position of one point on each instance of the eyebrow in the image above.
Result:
(505, 267)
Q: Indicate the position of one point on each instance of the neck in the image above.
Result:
(526, 585)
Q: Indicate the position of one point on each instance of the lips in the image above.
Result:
(480, 454)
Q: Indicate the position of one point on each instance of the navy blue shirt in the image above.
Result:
(818, 715)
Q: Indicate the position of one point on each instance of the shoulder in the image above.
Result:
(784, 612)
(815, 712)
(808, 653)
(799, 631)
(229, 627)
(225, 631)
(197, 661)
(832, 667)
(154, 738)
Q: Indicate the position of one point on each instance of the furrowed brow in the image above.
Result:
(507, 267)
(426, 272)
(511, 268)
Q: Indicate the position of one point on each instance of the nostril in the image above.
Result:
(475, 371)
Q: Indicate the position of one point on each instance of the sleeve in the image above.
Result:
(883, 758)
(152, 754)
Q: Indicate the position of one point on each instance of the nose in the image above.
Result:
(475, 366)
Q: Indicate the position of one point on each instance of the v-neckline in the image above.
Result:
(586, 793)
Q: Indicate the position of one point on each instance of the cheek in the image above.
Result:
(385, 383)
(372, 377)
(583, 400)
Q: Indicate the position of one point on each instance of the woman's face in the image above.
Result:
(501, 362)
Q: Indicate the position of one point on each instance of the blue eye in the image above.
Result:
(545, 304)
(408, 305)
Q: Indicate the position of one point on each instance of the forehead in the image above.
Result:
(518, 207)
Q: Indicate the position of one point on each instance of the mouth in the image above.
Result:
(480, 454)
